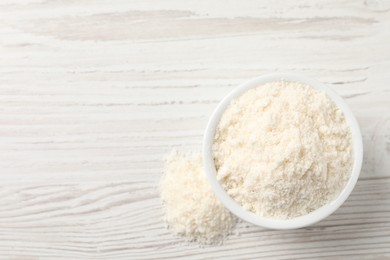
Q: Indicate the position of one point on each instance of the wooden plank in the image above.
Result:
(122, 220)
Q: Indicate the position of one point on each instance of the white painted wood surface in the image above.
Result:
(93, 94)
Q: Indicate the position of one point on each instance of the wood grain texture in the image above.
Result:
(93, 94)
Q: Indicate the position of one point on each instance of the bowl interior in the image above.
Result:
(292, 223)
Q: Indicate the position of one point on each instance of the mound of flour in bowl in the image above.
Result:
(282, 150)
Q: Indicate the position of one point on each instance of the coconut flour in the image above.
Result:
(282, 150)
(191, 209)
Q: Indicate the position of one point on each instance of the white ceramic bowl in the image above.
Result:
(297, 222)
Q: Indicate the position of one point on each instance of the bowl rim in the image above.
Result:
(297, 222)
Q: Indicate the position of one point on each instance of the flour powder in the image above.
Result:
(191, 209)
(282, 150)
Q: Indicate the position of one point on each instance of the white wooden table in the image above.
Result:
(93, 94)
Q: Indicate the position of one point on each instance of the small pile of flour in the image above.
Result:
(191, 209)
(282, 150)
